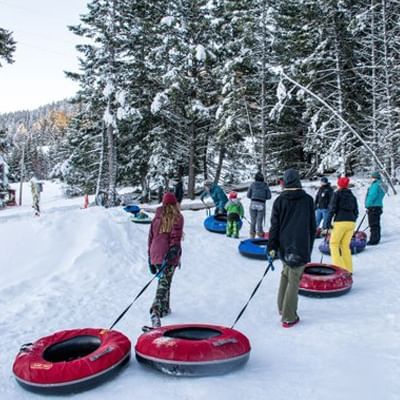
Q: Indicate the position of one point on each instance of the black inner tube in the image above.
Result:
(72, 349)
(321, 270)
(194, 333)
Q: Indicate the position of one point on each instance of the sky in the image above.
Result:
(45, 49)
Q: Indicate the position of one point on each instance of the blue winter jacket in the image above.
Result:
(218, 196)
(375, 195)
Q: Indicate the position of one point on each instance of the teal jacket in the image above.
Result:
(375, 195)
(218, 196)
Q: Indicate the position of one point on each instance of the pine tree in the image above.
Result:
(314, 44)
(7, 46)
(183, 103)
(376, 25)
(234, 48)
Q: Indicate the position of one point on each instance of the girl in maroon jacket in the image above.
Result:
(164, 245)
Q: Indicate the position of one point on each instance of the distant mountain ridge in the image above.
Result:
(11, 121)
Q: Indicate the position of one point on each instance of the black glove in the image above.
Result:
(152, 267)
(173, 252)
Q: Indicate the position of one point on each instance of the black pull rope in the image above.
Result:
(359, 225)
(246, 219)
(163, 266)
(269, 266)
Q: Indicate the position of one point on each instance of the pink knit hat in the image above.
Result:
(169, 198)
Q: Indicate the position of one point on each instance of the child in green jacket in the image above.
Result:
(235, 211)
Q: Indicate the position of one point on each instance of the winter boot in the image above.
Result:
(260, 234)
(252, 235)
(155, 320)
(287, 324)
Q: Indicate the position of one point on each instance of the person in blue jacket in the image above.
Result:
(374, 205)
(218, 196)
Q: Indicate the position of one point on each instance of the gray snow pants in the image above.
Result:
(257, 214)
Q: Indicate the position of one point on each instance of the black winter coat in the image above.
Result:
(179, 191)
(324, 196)
(343, 207)
(292, 230)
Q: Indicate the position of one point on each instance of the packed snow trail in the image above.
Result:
(80, 268)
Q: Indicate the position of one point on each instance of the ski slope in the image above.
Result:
(75, 268)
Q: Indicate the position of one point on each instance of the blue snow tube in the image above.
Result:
(132, 208)
(138, 220)
(217, 223)
(357, 245)
(254, 248)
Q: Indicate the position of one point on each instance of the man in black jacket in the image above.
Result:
(178, 191)
(322, 201)
(292, 232)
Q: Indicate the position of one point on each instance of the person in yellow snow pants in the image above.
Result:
(339, 244)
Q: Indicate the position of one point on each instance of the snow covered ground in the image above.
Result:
(74, 268)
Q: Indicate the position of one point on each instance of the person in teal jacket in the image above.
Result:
(218, 196)
(235, 212)
(374, 205)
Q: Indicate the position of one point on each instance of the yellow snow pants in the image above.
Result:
(339, 244)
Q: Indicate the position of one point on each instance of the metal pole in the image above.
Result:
(22, 174)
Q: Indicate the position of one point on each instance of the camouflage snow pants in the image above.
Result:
(160, 304)
(36, 202)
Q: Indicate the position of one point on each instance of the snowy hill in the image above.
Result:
(74, 268)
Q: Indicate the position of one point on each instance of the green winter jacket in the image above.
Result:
(234, 207)
(375, 195)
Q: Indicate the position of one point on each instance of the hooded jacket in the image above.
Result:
(159, 243)
(218, 196)
(234, 207)
(375, 194)
(292, 230)
(259, 191)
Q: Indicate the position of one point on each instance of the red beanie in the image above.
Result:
(169, 198)
(232, 195)
(343, 182)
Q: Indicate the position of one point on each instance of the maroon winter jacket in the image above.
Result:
(159, 243)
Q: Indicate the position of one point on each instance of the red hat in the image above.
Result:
(232, 195)
(343, 182)
(168, 198)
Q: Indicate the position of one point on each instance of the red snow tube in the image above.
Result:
(193, 349)
(323, 280)
(71, 361)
